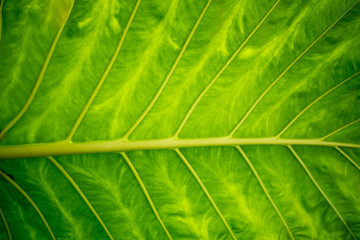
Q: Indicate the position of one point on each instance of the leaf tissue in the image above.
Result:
(180, 119)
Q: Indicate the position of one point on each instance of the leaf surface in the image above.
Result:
(188, 119)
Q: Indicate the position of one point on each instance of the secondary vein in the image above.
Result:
(348, 157)
(313, 102)
(264, 189)
(286, 70)
(147, 195)
(340, 129)
(168, 76)
(14, 184)
(320, 189)
(207, 194)
(6, 224)
(40, 78)
(105, 74)
(211, 83)
(82, 195)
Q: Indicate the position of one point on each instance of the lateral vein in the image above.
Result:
(286, 70)
(264, 189)
(191, 169)
(320, 189)
(211, 83)
(6, 224)
(168, 76)
(14, 184)
(347, 157)
(105, 74)
(340, 129)
(82, 195)
(146, 193)
(40, 78)
(313, 102)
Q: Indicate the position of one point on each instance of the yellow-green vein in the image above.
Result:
(6, 224)
(14, 184)
(313, 102)
(105, 74)
(264, 189)
(205, 191)
(120, 145)
(39, 79)
(348, 157)
(320, 189)
(168, 76)
(339, 129)
(74, 184)
(198, 99)
(286, 70)
(147, 195)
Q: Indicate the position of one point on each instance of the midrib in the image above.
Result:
(67, 148)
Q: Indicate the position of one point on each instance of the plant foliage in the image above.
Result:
(191, 119)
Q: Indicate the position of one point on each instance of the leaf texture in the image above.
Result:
(208, 119)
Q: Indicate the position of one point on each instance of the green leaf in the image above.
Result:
(145, 119)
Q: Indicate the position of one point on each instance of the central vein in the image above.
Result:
(67, 148)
